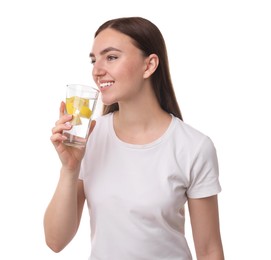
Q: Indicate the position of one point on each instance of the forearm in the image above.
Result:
(61, 216)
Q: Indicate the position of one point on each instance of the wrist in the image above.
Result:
(68, 173)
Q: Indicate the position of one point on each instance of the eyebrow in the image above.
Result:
(91, 55)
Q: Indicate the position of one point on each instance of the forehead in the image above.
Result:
(111, 38)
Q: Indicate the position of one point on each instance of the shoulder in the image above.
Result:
(190, 136)
(190, 145)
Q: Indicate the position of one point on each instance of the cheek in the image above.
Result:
(131, 72)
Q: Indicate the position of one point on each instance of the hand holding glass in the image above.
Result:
(80, 103)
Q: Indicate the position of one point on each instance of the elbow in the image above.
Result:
(56, 239)
(54, 245)
(214, 253)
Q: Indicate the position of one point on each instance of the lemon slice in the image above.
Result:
(69, 108)
(77, 107)
(85, 112)
(76, 120)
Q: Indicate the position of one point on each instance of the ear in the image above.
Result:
(152, 62)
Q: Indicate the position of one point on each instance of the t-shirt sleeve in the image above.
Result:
(204, 171)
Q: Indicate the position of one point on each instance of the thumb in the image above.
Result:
(92, 125)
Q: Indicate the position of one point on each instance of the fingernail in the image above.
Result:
(68, 124)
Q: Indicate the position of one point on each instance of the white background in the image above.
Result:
(220, 60)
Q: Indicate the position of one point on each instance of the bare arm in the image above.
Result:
(204, 218)
(63, 214)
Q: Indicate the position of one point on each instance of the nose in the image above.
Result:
(98, 70)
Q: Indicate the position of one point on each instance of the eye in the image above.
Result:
(111, 57)
(92, 61)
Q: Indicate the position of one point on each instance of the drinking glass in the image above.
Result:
(81, 101)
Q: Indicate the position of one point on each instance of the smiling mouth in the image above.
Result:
(106, 84)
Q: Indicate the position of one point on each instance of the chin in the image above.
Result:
(108, 102)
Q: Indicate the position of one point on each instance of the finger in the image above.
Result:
(62, 108)
(92, 125)
(57, 138)
(63, 119)
(60, 126)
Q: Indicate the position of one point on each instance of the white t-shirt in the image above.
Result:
(136, 193)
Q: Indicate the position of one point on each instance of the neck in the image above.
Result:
(137, 115)
(140, 121)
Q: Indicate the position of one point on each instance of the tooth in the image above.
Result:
(106, 84)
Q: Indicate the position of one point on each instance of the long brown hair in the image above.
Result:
(148, 38)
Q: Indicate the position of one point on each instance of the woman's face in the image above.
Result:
(118, 66)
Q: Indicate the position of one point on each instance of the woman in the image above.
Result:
(142, 163)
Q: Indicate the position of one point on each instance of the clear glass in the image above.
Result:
(81, 101)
